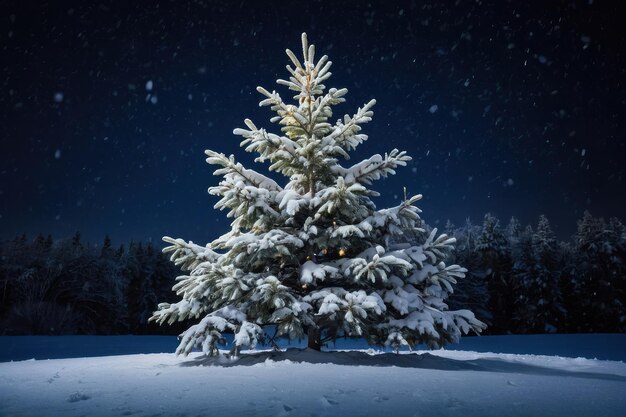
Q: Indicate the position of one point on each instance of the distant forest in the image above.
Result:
(520, 280)
(69, 287)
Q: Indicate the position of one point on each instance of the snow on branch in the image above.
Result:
(403, 298)
(438, 248)
(279, 150)
(306, 76)
(248, 335)
(396, 341)
(377, 269)
(285, 111)
(373, 168)
(205, 335)
(310, 272)
(346, 133)
(188, 255)
(292, 201)
(342, 198)
(179, 311)
(208, 333)
(229, 165)
(348, 308)
(249, 195)
(256, 250)
(439, 278)
(245, 202)
(396, 220)
(466, 321)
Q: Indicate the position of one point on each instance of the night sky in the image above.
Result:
(515, 108)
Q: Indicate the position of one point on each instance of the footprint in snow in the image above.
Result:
(55, 376)
(328, 401)
(78, 396)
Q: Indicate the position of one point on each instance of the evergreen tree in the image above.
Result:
(513, 229)
(549, 311)
(107, 248)
(600, 275)
(470, 292)
(616, 239)
(539, 306)
(523, 277)
(150, 280)
(76, 242)
(313, 256)
(566, 264)
(133, 271)
(495, 255)
(109, 289)
(492, 239)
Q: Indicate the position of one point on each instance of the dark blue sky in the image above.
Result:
(515, 108)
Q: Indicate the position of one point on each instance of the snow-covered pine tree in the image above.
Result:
(513, 231)
(313, 257)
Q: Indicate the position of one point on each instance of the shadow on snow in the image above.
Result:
(410, 360)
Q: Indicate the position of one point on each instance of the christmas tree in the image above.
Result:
(314, 257)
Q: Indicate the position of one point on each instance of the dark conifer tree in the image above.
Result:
(493, 248)
(472, 291)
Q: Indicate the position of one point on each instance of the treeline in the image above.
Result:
(522, 280)
(69, 287)
(519, 280)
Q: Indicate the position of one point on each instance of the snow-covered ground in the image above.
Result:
(307, 383)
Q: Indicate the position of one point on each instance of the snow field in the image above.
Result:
(295, 383)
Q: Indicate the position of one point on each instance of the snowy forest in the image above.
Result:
(73, 287)
(520, 280)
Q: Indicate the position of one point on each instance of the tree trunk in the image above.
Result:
(314, 337)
